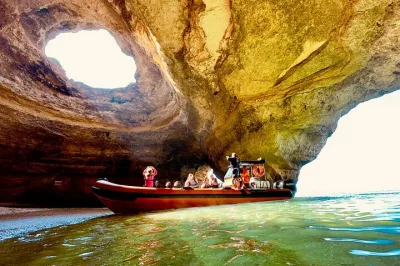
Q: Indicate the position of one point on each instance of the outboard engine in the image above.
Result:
(288, 183)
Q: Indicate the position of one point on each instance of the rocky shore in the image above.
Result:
(18, 221)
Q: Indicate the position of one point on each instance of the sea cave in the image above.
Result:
(106, 103)
(210, 78)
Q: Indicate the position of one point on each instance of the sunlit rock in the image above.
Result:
(259, 78)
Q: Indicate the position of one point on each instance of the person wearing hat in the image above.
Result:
(149, 173)
(234, 160)
(234, 163)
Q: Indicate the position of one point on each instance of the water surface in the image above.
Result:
(357, 230)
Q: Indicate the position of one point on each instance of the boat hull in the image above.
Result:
(130, 199)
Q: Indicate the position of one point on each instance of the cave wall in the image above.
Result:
(259, 78)
(56, 129)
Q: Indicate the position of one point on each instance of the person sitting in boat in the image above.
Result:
(149, 173)
(211, 180)
(191, 181)
(177, 184)
(245, 175)
(168, 184)
(237, 183)
(206, 183)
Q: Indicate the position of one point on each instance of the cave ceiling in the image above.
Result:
(259, 78)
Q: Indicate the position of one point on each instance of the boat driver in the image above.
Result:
(235, 163)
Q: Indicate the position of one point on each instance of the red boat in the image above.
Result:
(131, 199)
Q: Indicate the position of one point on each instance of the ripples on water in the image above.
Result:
(358, 230)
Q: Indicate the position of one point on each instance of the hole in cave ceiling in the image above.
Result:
(93, 58)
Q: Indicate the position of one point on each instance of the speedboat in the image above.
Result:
(132, 199)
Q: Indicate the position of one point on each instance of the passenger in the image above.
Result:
(191, 181)
(245, 175)
(206, 183)
(177, 184)
(149, 173)
(237, 183)
(213, 181)
(168, 184)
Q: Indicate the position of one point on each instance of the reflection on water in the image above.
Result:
(359, 230)
(394, 252)
(383, 229)
(377, 241)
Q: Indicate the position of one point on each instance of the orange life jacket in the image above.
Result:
(245, 175)
(258, 170)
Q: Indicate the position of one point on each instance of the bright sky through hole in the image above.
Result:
(94, 58)
(362, 155)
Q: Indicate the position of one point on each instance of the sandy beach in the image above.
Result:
(16, 222)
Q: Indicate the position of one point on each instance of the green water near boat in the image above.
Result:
(356, 230)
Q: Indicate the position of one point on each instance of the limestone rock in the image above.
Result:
(259, 78)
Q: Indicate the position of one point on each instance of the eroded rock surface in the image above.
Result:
(259, 78)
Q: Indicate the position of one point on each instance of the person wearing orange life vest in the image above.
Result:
(245, 175)
(149, 173)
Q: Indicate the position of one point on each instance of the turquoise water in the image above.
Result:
(357, 230)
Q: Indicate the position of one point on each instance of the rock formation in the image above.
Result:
(259, 78)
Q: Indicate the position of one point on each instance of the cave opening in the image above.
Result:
(93, 58)
(363, 154)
